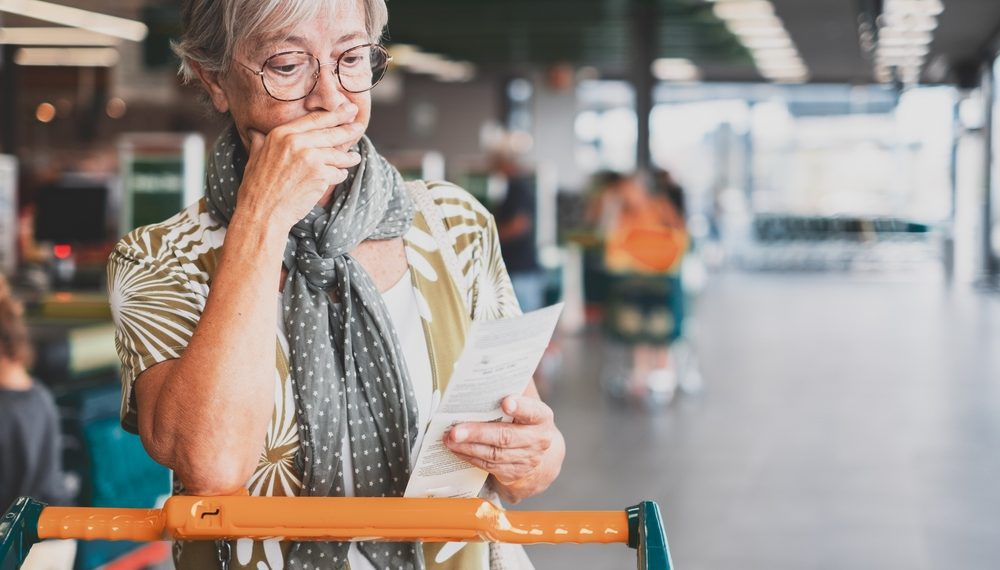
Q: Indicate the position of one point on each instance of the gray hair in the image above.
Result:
(215, 29)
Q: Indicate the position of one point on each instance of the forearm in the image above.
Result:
(211, 416)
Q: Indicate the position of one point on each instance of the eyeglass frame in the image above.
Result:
(319, 68)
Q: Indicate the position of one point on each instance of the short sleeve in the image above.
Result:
(155, 310)
(493, 295)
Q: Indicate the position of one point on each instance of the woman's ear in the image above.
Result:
(210, 81)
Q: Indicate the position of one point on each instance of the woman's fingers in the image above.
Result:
(497, 434)
(333, 137)
(332, 157)
(527, 410)
(318, 120)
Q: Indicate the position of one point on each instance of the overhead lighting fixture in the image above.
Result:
(744, 10)
(921, 7)
(412, 59)
(95, 22)
(756, 25)
(69, 57)
(56, 37)
(768, 31)
(776, 53)
(777, 42)
(762, 32)
(903, 39)
(675, 69)
(891, 37)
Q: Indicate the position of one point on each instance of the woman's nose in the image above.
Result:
(328, 93)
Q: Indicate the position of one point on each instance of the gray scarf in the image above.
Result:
(347, 369)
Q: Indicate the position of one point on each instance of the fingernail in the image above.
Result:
(351, 108)
(511, 405)
(458, 434)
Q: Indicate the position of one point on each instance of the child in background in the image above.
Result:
(30, 454)
(30, 450)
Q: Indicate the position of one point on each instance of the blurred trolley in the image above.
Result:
(644, 313)
(333, 519)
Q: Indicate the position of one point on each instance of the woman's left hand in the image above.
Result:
(524, 457)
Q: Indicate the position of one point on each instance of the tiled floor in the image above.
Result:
(846, 423)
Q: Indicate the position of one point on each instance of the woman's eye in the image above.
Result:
(283, 68)
(352, 61)
(286, 64)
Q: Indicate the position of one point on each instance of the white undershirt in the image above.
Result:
(401, 301)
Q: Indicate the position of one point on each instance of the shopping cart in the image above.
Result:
(644, 311)
(333, 519)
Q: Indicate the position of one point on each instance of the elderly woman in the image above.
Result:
(289, 332)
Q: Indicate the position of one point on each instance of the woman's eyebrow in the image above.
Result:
(352, 36)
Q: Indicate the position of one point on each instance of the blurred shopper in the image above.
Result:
(285, 333)
(642, 253)
(30, 450)
(604, 203)
(670, 198)
(516, 221)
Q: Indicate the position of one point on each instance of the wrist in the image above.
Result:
(260, 232)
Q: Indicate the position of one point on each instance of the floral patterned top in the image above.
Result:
(160, 277)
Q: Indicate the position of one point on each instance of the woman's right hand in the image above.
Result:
(292, 167)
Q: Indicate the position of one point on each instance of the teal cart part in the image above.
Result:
(647, 535)
(18, 532)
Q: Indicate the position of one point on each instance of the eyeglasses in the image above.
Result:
(293, 75)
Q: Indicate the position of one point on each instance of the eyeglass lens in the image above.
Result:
(293, 75)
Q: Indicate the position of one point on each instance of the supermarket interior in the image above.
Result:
(773, 227)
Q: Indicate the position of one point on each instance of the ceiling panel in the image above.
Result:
(528, 33)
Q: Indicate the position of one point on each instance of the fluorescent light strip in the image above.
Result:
(675, 69)
(744, 10)
(768, 43)
(67, 16)
(762, 32)
(69, 57)
(55, 37)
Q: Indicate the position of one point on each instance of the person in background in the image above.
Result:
(30, 443)
(30, 450)
(516, 219)
(670, 197)
(643, 247)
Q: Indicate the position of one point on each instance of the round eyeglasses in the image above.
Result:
(293, 75)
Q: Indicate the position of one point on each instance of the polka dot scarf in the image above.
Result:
(347, 368)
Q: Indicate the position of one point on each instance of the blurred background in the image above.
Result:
(775, 225)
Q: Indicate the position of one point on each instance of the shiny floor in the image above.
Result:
(845, 423)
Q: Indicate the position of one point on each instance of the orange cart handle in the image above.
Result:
(333, 518)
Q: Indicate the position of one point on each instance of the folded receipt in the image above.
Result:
(498, 360)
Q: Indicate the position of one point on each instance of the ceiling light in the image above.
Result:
(895, 37)
(745, 10)
(45, 112)
(55, 37)
(769, 31)
(773, 65)
(756, 26)
(77, 18)
(922, 7)
(74, 57)
(902, 51)
(909, 22)
(775, 53)
(675, 69)
(768, 43)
